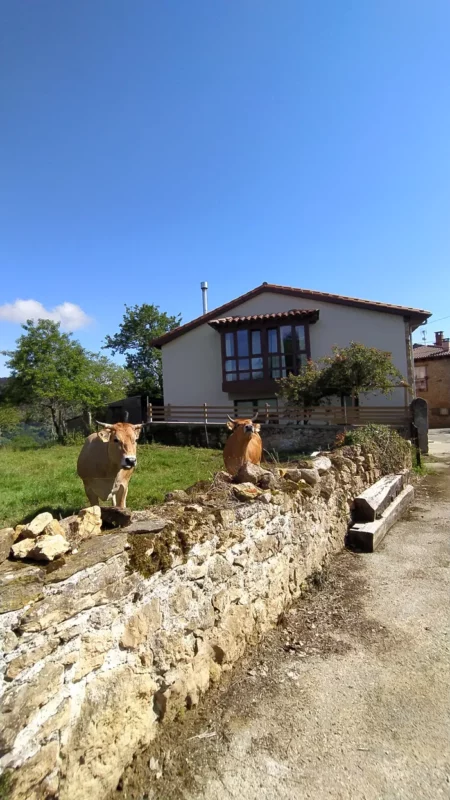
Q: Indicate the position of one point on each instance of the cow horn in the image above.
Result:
(255, 417)
(103, 424)
(231, 419)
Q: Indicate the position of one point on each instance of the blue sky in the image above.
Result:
(152, 144)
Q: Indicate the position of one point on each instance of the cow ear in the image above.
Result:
(104, 434)
(230, 426)
(137, 429)
(257, 428)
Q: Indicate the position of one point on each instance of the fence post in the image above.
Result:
(150, 412)
(205, 417)
(168, 411)
(267, 414)
(419, 411)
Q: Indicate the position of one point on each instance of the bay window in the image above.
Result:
(259, 350)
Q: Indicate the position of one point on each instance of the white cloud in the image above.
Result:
(71, 316)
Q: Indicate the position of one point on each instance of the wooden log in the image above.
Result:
(367, 536)
(370, 505)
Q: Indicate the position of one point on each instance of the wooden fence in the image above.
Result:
(396, 416)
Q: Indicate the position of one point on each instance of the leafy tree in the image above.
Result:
(140, 325)
(303, 390)
(53, 373)
(10, 418)
(358, 369)
(350, 371)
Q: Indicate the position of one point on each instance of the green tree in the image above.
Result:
(53, 373)
(10, 418)
(358, 369)
(303, 390)
(140, 325)
(349, 371)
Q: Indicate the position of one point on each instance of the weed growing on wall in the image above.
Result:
(390, 450)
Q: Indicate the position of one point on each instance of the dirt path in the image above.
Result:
(349, 698)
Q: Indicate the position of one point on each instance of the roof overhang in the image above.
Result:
(414, 316)
(295, 315)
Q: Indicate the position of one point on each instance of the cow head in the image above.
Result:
(245, 427)
(122, 439)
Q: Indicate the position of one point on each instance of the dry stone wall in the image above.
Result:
(101, 647)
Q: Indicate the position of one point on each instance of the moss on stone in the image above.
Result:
(6, 785)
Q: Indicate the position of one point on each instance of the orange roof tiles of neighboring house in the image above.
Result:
(417, 315)
(429, 351)
(294, 313)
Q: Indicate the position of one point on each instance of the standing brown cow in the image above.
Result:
(107, 461)
(243, 445)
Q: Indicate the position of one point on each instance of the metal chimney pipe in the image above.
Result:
(204, 288)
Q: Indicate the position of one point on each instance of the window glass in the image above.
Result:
(244, 363)
(229, 344)
(256, 342)
(242, 343)
(244, 376)
(272, 340)
(287, 344)
(230, 365)
(257, 363)
(230, 376)
(300, 336)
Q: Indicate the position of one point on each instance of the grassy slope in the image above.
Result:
(39, 480)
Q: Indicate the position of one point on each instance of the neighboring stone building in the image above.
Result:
(432, 377)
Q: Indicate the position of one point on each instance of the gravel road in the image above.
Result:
(348, 698)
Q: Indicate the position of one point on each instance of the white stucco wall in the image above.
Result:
(192, 364)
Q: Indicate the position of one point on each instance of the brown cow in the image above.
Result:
(243, 445)
(107, 461)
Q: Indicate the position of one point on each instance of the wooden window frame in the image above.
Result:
(266, 383)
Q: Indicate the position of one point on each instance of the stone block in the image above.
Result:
(246, 492)
(29, 657)
(30, 781)
(94, 648)
(48, 548)
(20, 584)
(7, 538)
(32, 529)
(20, 704)
(311, 476)
(144, 622)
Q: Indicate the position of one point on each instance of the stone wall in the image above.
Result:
(276, 438)
(102, 646)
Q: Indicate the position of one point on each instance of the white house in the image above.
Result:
(235, 353)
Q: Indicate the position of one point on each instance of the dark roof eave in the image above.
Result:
(311, 315)
(432, 356)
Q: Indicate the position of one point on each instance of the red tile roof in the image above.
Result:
(417, 315)
(295, 313)
(429, 351)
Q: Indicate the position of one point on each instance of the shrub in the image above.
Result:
(390, 450)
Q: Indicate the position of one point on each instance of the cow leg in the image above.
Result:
(92, 497)
(114, 501)
(122, 496)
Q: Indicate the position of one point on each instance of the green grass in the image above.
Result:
(46, 480)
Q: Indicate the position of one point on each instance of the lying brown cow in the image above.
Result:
(243, 445)
(107, 461)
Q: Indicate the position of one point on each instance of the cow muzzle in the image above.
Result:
(249, 429)
(129, 462)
